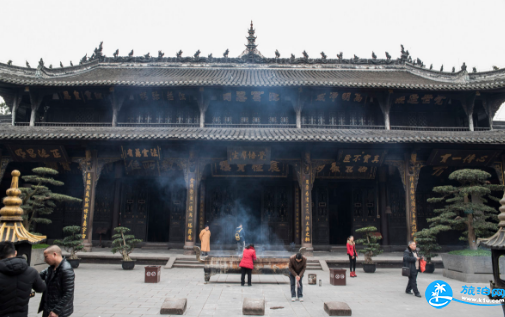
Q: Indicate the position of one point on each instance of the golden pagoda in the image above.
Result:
(11, 220)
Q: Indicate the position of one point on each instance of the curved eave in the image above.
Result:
(9, 133)
(175, 75)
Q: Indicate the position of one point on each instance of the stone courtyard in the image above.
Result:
(105, 290)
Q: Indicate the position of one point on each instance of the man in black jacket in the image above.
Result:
(411, 260)
(58, 299)
(16, 282)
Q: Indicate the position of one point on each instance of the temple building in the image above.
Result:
(299, 149)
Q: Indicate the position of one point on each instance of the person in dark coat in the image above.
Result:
(247, 264)
(58, 299)
(17, 280)
(297, 267)
(411, 260)
(240, 238)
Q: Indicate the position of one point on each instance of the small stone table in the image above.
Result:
(337, 309)
(253, 306)
(174, 306)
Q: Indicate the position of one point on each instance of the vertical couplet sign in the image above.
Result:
(191, 210)
(202, 205)
(412, 196)
(86, 203)
(297, 214)
(307, 214)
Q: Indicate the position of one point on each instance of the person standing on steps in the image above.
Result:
(205, 240)
(247, 264)
(240, 238)
(353, 255)
(411, 260)
(297, 266)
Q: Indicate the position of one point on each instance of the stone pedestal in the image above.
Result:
(253, 306)
(337, 309)
(174, 306)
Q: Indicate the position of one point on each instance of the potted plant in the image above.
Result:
(72, 243)
(465, 210)
(124, 244)
(371, 247)
(427, 242)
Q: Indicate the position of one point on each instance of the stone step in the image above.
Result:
(188, 266)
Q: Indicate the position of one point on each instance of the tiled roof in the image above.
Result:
(397, 76)
(248, 134)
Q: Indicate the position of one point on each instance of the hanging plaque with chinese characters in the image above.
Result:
(38, 153)
(249, 155)
(462, 157)
(271, 169)
(361, 157)
(141, 158)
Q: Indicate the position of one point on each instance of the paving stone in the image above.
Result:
(174, 306)
(253, 306)
(337, 309)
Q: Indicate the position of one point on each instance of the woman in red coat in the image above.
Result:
(353, 255)
(247, 265)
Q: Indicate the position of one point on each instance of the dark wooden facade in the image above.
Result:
(300, 150)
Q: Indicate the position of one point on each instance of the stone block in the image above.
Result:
(174, 306)
(337, 309)
(253, 306)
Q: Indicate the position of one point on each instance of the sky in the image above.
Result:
(447, 32)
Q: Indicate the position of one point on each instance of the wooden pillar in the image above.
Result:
(117, 101)
(305, 175)
(409, 169)
(88, 167)
(297, 103)
(468, 105)
(385, 104)
(201, 210)
(4, 161)
(383, 204)
(91, 167)
(491, 105)
(203, 105)
(412, 170)
(35, 101)
(192, 176)
(118, 174)
(298, 216)
(15, 105)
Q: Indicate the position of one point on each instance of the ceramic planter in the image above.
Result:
(128, 265)
(369, 268)
(74, 262)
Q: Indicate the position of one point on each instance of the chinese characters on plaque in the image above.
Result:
(351, 164)
(461, 157)
(249, 155)
(38, 153)
(86, 204)
(141, 158)
(191, 210)
(269, 169)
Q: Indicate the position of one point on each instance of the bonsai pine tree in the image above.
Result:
(369, 241)
(123, 242)
(426, 241)
(466, 208)
(38, 199)
(73, 242)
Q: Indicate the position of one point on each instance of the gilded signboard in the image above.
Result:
(462, 157)
(38, 153)
(249, 155)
